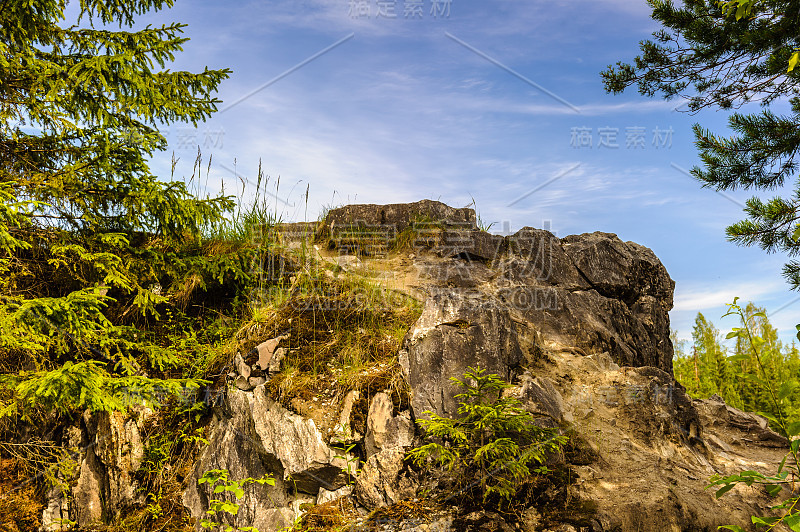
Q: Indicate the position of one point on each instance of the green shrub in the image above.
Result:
(218, 478)
(493, 446)
(782, 483)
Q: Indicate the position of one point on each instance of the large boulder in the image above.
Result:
(632, 275)
(254, 436)
(398, 216)
(457, 330)
(592, 292)
(617, 269)
(534, 286)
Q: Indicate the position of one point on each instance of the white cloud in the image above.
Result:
(691, 298)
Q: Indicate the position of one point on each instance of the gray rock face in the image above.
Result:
(112, 451)
(593, 292)
(382, 480)
(300, 447)
(384, 429)
(589, 292)
(256, 436)
(455, 331)
(631, 274)
(539, 396)
(617, 269)
(400, 215)
(235, 445)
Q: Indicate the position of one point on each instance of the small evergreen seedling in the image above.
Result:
(493, 444)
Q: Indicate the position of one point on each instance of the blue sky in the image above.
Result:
(487, 101)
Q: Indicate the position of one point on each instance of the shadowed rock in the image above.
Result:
(401, 215)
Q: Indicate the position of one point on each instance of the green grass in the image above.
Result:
(345, 333)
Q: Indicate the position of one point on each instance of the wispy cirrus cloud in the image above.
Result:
(689, 298)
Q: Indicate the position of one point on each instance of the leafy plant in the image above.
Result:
(350, 458)
(744, 8)
(492, 446)
(788, 470)
(218, 478)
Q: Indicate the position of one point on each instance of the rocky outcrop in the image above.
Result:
(592, 293)
(255, 436)
(579, 325)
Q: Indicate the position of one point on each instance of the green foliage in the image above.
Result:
(348, 454)
(743, 376)
(694, 49)
(218, 478)
(86, 385)
(744, 8)
(755, 349)
(494, 445)
(94, 248)
(723, 55)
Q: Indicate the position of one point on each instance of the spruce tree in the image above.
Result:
(93, 245)
(722, 55)
(492, 448)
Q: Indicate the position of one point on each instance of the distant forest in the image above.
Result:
(705, 366)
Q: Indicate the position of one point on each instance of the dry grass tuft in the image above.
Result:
(406, 510)
(329, 517)
(20, 501)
